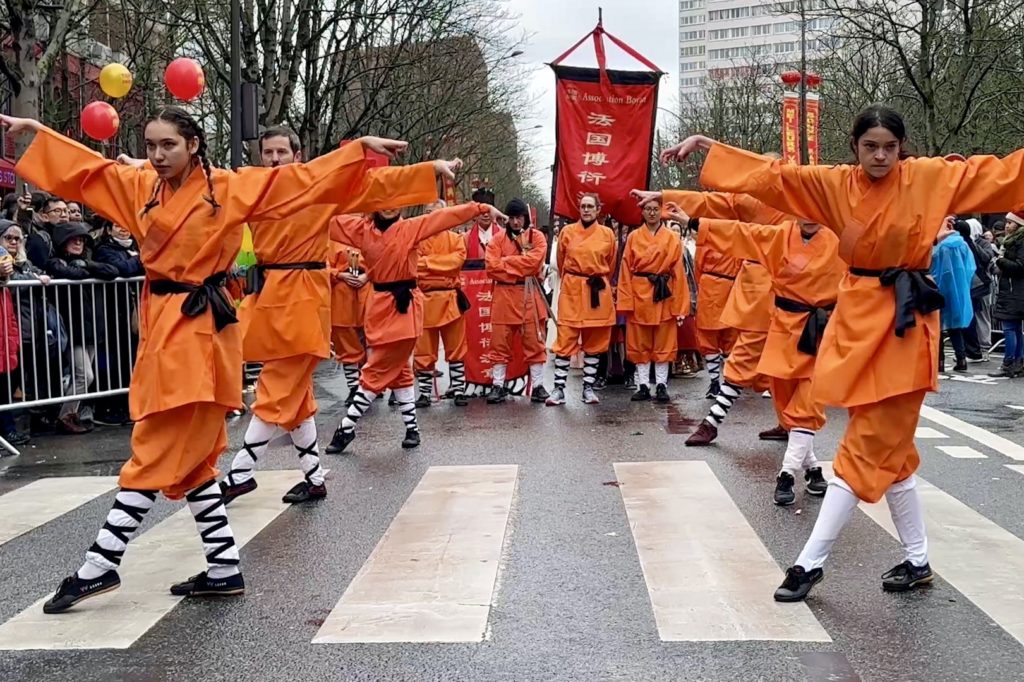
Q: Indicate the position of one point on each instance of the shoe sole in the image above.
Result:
(784, 503)
(311, 498)
(909, 586)
(793, 600)
(105, 590)
(816, 493)
(410, 446)
(214, 593)
(228, 499)
(554, 403)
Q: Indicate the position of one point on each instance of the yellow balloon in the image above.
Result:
(115, 80)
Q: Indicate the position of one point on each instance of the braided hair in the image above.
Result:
(189, 129)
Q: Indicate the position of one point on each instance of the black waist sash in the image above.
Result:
(401, 290)
(256, 276)
(660, 281)
(719, 275)
(814, 327)
(210, 294)
(461, 300)
(596, 284)
(913, 291)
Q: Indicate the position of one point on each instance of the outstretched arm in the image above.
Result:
(447, 218)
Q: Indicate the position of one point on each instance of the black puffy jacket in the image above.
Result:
(1010, 299)
(84, 319)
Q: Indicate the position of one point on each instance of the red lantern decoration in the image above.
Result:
(100, 120)
(813, 80)
(185, 79)
(790, 78)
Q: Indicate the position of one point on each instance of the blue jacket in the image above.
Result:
(953, 269)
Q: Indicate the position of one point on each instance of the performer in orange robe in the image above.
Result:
(716, 275)
(349, 294)
(805, 268)
(877, 357)
(286, 316)
(394, 313)
(654, 295)
(187, 219)
(747, 310)
(438, 272)
(586, 312)
(515, 260)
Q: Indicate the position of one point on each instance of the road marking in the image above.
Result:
(431, 578)
(40, 502)
(926, 433)
(708, 575)
(169, 552)
(1016, 407)
(1016, 467)
(979, 558)
(961, 452)
(976, 433)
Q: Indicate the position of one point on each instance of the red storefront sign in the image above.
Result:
(479, 288)
(605, 132)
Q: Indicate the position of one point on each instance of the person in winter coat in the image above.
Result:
(981, 287)
(952, 269)
(1009, 309)
(117, 247)
(82, 311)
(10, 342)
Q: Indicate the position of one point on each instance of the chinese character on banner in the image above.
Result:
(813, 117)
(479, 287)
(606, 120)
(791, 128)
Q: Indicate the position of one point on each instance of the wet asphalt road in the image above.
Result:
(571, 601)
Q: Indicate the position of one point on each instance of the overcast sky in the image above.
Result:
(552, 26)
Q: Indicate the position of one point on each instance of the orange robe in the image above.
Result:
(391, 257)
(584, 253)
(348, 305)
(513, 312)
(804, 271)
(651, 326)
(439, 267)
(287, 326)
(187, 373)
(891, 222)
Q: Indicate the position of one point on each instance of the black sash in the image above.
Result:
(461, 300)
(719, 275)
(256, 276)
(814, 326)
(210, 294)
(914, 291)
(662, 291)
(596, 284)
(401, 290)
(517, 283)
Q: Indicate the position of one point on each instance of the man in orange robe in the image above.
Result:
(349, 294)
(394, 313)
(515, 259)
(805, 268)
(438, 272)
(286, 318)
(189, 365)
(654, 295)
(586, 311)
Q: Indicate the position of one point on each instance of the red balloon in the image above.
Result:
(184, 78)
(100, 120)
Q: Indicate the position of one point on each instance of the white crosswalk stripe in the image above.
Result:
(165, 554)
(30, 506)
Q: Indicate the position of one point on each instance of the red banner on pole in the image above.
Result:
(450, 197)
(791, 128)
(813, 115)
(479, 288)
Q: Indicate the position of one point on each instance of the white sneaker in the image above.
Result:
(589, 396)
(557, 397)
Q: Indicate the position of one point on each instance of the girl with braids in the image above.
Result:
(187, 218)
(877, 354)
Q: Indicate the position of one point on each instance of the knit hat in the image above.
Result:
(518, 207)
(1016, 217)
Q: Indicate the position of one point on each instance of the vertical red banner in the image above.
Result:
(478, 288)
(791, 128)
(450, 197)
(605, 134)
(813, 124)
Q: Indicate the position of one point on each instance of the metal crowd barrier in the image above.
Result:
(71, 340)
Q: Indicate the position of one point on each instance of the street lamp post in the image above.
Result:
(236, 84)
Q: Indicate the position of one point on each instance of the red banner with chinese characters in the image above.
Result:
(813, 113)
(478, 288)
(605, 135)
(791, 128)
(450, 197)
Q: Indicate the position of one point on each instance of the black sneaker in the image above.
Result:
(15, 438)
(412, 440)
(961, 365)
(784, 495)
(200, 585)
(816, 483)
(713, 389)
(601, 383)
(304, 491)
(73, 590)
(423, 401)
(340, 441)
(798, 583)
(461, 399)
(642, 394)
(906, 577)
(497, 396)
(539, 394)
(661, 394)
(230, 492)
